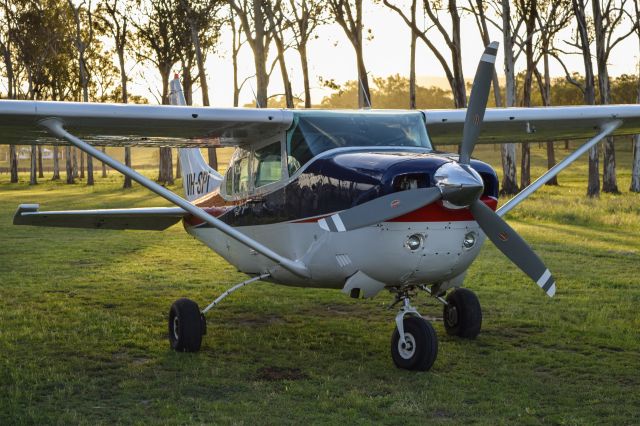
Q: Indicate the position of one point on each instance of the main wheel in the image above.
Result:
(185, 326)
(462, 314)
(420, 348)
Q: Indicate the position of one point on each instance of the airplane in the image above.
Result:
(359, 201)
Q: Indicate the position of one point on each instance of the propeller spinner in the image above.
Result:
(459, 184)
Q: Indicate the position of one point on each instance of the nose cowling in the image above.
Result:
(459, 184)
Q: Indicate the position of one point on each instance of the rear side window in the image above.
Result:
(267, 165)
(241, 175)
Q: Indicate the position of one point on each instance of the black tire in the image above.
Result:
(423, 351)
(463, 314)
(185, 326)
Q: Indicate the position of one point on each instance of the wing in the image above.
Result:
(142, 125)
(506, 125)
(152, 219)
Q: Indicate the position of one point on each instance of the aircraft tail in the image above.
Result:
(198, 178)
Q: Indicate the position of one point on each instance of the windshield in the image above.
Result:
(316, 132)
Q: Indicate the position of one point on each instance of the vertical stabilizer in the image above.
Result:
(198, 178)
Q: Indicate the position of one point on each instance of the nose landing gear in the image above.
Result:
(414, 343)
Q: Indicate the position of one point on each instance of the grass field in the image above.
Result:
(83, 336)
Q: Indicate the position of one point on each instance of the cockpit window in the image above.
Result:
(314, 133)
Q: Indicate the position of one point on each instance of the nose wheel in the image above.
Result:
(414, 343)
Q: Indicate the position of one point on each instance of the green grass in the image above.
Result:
(83, 336)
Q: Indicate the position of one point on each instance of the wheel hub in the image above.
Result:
(176, 327)
(452, 316)
(407, 348)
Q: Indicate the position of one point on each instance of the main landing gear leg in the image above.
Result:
(187, 324)
(414, 344)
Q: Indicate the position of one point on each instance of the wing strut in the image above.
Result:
(605, 130)
(55, 127)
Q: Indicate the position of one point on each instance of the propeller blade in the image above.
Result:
(513, 246)
(478, 101)
(381, 209)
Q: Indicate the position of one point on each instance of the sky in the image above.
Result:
(331, 56)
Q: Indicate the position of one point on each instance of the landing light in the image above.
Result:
(469, 240)
(414, 242)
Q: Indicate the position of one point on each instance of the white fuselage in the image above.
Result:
(378, 251)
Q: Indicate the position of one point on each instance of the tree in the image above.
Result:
(5, 50)
(252, 17)
(82, 41)
(348, 14)
(607, 17)
(635, 170)
(452, 42)
(306, 16)
(278, 24)
(116, 23)
(159, 47)
(587, 86)
(552, 17)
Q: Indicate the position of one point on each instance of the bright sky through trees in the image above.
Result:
(331, 57)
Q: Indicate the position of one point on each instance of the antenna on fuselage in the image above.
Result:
(364, 93)
(255, 96)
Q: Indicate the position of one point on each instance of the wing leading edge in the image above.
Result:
(150, 219)
(141, 125)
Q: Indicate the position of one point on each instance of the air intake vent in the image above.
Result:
(410, 181)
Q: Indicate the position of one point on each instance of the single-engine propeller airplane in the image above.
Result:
(351, 200)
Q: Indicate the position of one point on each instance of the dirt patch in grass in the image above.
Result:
(275, 374)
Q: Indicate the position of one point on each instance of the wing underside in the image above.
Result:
(150, 219)
(517, 125)
(140, 125)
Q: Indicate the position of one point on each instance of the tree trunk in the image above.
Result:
(508, 151)
(635, 170)
(69, 164)
(213, 158)
(89, 170)
(609, 183)
(260, 55)
(364, 94)
(81, 164)
(178, 168)
(13, 159)
(104, 166)
(33, 180)
(302, 50)
(412, 60)
(166, 167)
(40, 171)
(127, 162)
(75, 162)
(56, 163)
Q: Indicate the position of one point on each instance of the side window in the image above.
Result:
(267, 165)
(241, 175)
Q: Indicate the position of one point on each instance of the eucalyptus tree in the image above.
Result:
(254, 23)
(348, 14)
(158, 46)
(609, 31)
(305, 16)
(7, 16)
(582, 42)
(552, 17)
(116, 23)
(275, 13)
(635, 169)
(83, 39)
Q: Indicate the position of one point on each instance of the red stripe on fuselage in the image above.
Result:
(437, 212)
